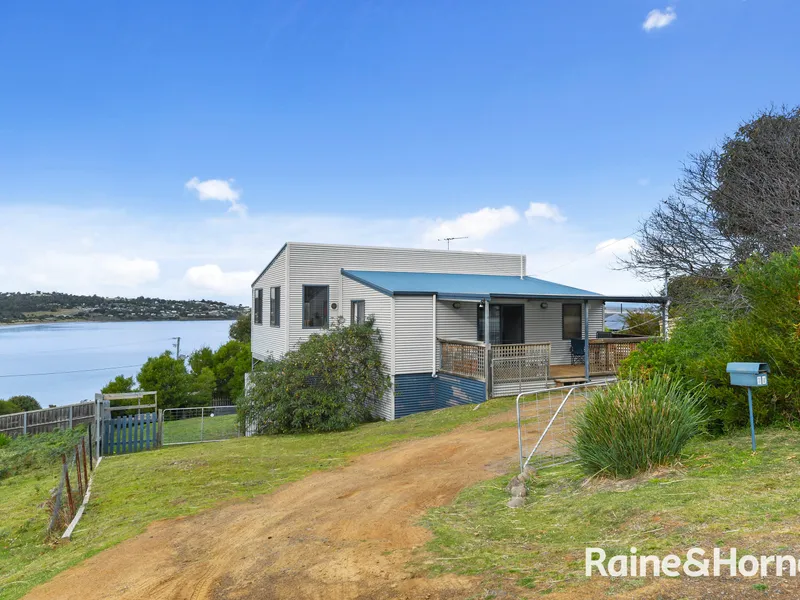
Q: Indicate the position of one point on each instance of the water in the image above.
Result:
(31, 350)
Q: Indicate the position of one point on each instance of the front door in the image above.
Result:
(512, 323)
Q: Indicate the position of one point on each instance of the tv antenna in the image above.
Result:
(450, 239)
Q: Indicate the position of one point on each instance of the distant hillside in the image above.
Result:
(16, 307)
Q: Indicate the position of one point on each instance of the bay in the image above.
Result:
(34, 358)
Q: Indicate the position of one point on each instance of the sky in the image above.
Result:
(171, 148)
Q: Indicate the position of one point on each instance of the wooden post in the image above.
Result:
(78, 471)
(85, 472)
(586, 338)
(91, 456)
(24, 423)
(69, 487)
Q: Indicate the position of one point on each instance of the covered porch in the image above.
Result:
(514, 368)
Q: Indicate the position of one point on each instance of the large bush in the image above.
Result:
(762, 325)
(698, 351)
(636, 425)
(331, 382)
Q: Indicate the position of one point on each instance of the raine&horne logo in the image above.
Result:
(695, 563)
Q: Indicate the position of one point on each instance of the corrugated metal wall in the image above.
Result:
(313, 264)
(267, 341)
(379, 306)
(413, 326)
(414, 393)
(452, 391)
(419, 392)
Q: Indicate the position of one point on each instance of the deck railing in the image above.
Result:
(463, 358)
(605, 354)
(517, 367)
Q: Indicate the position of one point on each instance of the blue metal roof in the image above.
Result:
(467, 287)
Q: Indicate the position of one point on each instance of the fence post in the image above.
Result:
(160, 429)
(202, 411)
(85, 472)
(25, 423)
(70, 416)
(69, 486)
(78, 471)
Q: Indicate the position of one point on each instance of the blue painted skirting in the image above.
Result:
(452, 391)
(418, 392)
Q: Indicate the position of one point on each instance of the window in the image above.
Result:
(258, 305)
(315, 306)
(571, 321)
(494, 323)
(275, 306)
(357, 309)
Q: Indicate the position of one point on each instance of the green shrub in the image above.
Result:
(698, 351)
(4, 440)
(636, 425)
(331, 382)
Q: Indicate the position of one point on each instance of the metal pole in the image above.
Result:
(24, 423)
(202, 410)
(752, 422)
(665, 306)
(519, 437)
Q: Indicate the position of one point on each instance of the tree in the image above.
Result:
(231, 361)
(240, 329)
(331, 382)
(203, 386)
(8, 408)
(167, 376)
(119, 385)
(642, 322)
(732, 202)
(25, 403)
(200, 359)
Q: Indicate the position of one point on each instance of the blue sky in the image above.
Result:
(172, 147)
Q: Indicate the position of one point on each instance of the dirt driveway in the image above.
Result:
(346, 533)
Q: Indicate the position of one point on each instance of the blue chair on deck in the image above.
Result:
(577, 351)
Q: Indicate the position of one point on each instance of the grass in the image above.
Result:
(721, 495)
(188, 430)
(131, 491)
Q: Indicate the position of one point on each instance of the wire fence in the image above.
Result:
(545, 423)
(77, 464)
(198, 424)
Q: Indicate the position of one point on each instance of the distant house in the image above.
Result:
(430, 306)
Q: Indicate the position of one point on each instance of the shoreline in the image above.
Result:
(27, 323)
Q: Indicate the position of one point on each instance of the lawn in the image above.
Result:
(221, 427)
(721, 495)
(130, 491)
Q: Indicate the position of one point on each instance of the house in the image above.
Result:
(430, 306)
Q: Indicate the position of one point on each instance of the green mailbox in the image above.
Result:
(749, 375)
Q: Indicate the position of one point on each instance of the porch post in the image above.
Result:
(586, 338)
(488, 360)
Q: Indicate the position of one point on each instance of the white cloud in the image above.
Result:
(217, 189)
(57, 271)
(212, 278)
(475, 225)
(44, 247)
(542, 210)
(656, 19)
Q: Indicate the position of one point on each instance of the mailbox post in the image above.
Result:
(749, 375)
